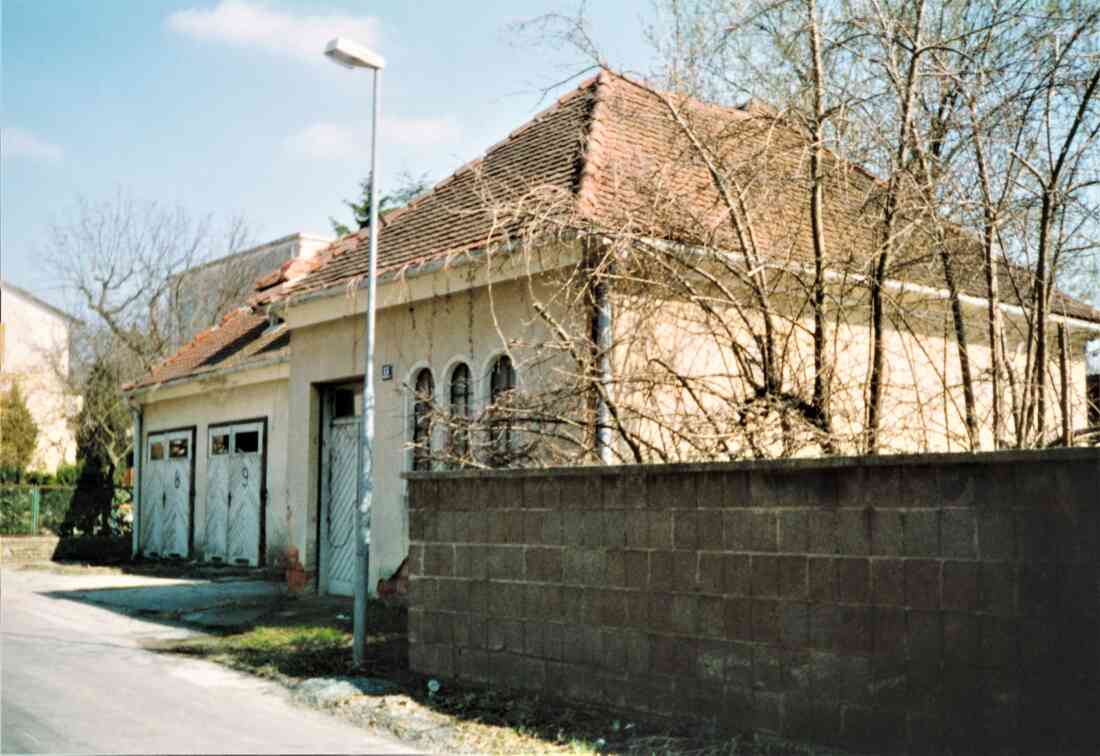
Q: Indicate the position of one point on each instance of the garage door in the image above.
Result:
(166, 494)
(340, 489)
(234, 493)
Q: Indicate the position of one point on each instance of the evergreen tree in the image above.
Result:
(18, 431)
(408, 188)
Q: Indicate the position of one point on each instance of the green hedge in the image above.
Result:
(54, 505)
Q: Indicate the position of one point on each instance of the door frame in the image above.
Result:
(191, 489)
(262, 560)
(324, 416)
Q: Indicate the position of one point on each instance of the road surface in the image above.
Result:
(75, 679)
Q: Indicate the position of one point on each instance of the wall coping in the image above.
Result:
(778, 465)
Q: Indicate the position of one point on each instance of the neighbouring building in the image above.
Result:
(251, 431)
(34, 351)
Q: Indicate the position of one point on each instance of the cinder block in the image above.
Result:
(453, 595)
(685, 529)
(1036, 539)
(504, 562)
(506, 599)
(660, 529)
(853, 580)
(421, 525)
(765, 531)
(667, 491)
(738, 619)
(793, 577)
(887, 532)
(439, 560)
(795, 624)
(593, 529)
(711, 572)
(477, 524)
(855, 679)
(543, 564)
(922, 583)
(513, 526)
(579, 491)
(737, 530)
(738, 574)
(470, 562)
(542, 601)
(673, 656)
(711, 617)
(823, 531)
(926, 637)
(436, 627)
(958, 534)
(573, 525)
(997, 586)
(506, 635)
(624, 491)
(610, 607)
(888, 582)
(614, 529)
(767, 621)
(822, 579)
(854, 630)
(683, 615)
(891, 636)
(1000, 637)
(470, 631)
(961, 634)
(767, 670)
(794, 531)
(824, 626)
(445, 526)
(1039, 589)
(765, 576)
(637, 649)
(422, 592)
(960, 585)
(922, 533)
(853, 532)
(710, 530)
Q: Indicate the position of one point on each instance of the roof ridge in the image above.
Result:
(592, 157)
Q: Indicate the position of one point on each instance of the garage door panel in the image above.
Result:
(234, 521)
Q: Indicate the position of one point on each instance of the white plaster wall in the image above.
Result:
(36, 354)
(221, 402)
(433, 332)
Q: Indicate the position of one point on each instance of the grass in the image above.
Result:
(311, 637)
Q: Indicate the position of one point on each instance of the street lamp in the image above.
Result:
(352, 55)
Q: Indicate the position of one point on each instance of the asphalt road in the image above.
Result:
(75, 679)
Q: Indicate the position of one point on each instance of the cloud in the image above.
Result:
(20, 143)
(333, 141)
(258, 26)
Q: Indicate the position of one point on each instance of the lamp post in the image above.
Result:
(352, 55)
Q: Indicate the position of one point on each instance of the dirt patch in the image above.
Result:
(304, 638)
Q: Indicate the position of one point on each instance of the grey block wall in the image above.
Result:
(894, 603)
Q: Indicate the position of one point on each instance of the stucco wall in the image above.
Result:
(436, 333)
(36, 354)
(225, 402)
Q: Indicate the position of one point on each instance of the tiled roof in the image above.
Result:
(243, 337)
(607, 155)
(610, 155)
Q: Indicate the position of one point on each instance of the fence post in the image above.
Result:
(36, 505)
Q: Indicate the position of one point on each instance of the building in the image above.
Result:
(251, 431)
(34, 351)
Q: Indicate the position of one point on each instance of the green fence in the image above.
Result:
(35, 510)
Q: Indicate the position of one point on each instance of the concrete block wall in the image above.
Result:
(896, 603)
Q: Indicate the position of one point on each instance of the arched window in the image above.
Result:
(422, 420)
(502, 381)
(460, 411)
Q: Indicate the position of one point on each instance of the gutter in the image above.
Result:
(141, 391)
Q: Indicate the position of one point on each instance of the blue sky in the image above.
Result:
(228, 107)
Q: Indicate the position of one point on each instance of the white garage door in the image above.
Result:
(340, 446)
(166, 494)
(234, 493)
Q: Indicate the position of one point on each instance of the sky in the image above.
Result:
(228, 107)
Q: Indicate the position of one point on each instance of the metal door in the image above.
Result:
(218, 464)
(152, 496)
(339, 493)
(166, 504)
(234, 493)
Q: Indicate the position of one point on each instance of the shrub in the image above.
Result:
(18, 431)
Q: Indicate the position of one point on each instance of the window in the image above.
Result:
(1092, 392)
(460, 410)
(177, 448)
(502, 381)
(422, 420)
(347, 402)
(156, 450)
(219, 444)
(246, 442)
